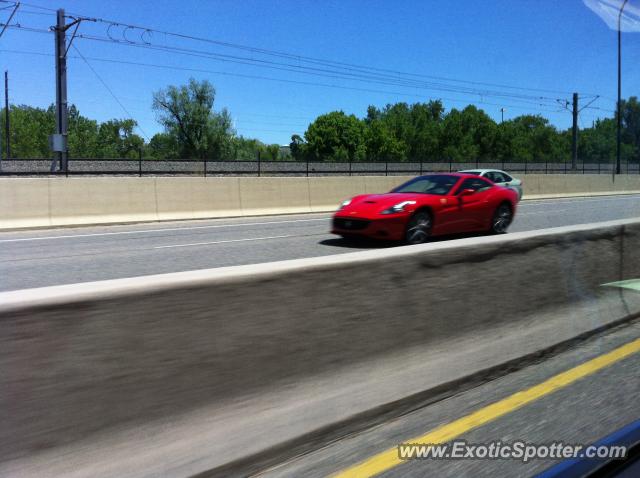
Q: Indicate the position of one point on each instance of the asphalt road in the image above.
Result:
(43, 257)
(583, 412)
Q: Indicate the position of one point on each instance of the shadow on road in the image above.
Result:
(358, 243)
(366, 243)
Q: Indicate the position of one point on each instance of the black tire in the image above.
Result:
(419, 228)
(502, 218)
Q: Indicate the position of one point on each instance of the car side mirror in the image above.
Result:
(466, 192)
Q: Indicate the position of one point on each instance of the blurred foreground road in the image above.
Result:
(586, 410)
(46, 257)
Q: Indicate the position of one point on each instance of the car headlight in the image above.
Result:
(344, 203)
(398, 207)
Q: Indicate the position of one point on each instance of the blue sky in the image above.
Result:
(557, 45)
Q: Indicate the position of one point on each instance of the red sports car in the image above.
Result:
(430, 205)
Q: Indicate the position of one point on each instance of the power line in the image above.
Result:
(308, 83)
(398, 76)
(110, 91)
(541, 101)
(312, 59)
(320, 72)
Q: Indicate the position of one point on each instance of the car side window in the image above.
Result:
(477, 184)
(499, 177)
(506, 177)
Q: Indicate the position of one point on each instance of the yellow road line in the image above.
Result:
(389, 458)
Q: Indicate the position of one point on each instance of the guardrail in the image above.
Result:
(54, 201)
(204, 167)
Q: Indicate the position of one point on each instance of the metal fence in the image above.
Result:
(193, 167)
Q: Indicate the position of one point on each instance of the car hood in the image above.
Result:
(374, 203)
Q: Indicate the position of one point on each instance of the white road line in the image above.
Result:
(542, 202)
(518, 214)
(224, 242)
(144, 231)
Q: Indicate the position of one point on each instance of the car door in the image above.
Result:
(449, 216)
(474, 209)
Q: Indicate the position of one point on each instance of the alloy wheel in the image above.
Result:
(419, 228)
(502, 219)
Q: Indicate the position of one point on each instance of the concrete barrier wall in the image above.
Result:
(74, 201)
(79, 359)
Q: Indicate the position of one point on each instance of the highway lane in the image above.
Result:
(45, 257)
(586, 410)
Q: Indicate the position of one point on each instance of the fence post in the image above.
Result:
(583, 170)
(525, 165)
(259, 172)
(565, 167)
(420, 167)
(599, 165)
(386, 168)
(450, 165)
(307, 166)
(140, 163)
(546, 166)
(204, 172)
(350, 167)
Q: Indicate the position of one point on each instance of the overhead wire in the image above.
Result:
(110, 91)
(398, 77)
(300, 82)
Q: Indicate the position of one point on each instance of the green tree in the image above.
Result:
(531, 138)
(162, 146)
(83, 136)
(381, 145)
(335, 137)
(631, 128)
(297, 147)
(416, 128)
(116, 139)
(186, 112)
(30, 130)
(468, 135)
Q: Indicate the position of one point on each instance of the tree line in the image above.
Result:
(194, 129)
(425, 131)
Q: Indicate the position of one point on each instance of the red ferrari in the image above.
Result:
(430, 205)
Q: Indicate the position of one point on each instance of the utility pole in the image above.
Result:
(7, 127)
(501, 115)
(619, 103)
(59, 143)
(574, 143)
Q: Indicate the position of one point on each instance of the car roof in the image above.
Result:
(483, 171)
(458, 174)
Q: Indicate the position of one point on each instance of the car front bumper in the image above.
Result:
(389, 228)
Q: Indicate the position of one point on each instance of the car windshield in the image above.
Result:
(439, 184)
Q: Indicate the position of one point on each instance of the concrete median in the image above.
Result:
(107, 200)
(180, 373)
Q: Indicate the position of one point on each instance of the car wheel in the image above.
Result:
(419, 228)
(501, 219)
